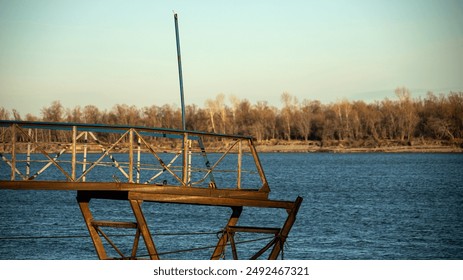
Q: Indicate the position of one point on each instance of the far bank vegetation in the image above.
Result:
(404, 121)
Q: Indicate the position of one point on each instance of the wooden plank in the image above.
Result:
(254, 229)
(120, 186)
(114, 224)
(206, 200)
(210, 192)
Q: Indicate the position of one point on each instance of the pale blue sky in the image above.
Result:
(111, 52)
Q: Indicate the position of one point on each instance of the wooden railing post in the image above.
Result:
(13, 152)
(185, 160)
(131, 155)
(74, 152)
(240, 160)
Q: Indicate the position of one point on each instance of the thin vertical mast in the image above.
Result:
(180, 76)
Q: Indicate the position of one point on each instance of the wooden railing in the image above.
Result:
(72, 152)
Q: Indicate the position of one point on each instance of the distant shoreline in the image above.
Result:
(295, 146)
(316, 147)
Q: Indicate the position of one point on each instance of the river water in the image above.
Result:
(356, 206)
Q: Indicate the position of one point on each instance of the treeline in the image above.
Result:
(436, 117)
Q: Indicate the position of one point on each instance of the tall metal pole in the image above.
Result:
(180, 76)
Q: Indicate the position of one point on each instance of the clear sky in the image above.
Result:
(109, 52)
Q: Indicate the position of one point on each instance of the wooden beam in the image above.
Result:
(114, 224)
(121, 186)
(207, 200)
(210, 192)
(254, 229)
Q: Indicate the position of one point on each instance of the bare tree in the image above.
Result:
(343, 110)
(74, 115)
(30, 117)
(16, 115)
(151, 116)
(366, 121)
(389, 123)
(244, 119)
(287, 112)
(263, 119)
(217, 108)
(303, 118)
(4, 114)
(455, 101)
(408, 118)
(196, 118)
(210, 104)
(91, 114)
(54, 113)
(124, 114)
(235, 104)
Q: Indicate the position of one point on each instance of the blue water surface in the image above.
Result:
(356, 206)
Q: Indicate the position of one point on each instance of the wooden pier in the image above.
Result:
(141, 164)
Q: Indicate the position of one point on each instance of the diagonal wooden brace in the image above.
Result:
(220, 248)
(283, 234)
(144, 230)
(83, 202)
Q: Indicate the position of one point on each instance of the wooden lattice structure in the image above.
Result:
(151, 165)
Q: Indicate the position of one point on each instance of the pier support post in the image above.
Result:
(84, 197)
(143, 227)
(283, 234)
(88, 218)
(220, 248)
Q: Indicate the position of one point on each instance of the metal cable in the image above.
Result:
(113, 235)
(199, 248)
(141, 256)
